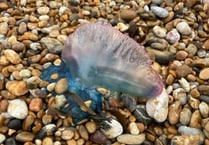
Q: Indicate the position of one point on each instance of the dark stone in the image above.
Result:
(15, 124)
(141, 114)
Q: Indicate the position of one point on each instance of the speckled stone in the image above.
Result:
(4, 28)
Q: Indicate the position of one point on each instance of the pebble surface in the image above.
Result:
(174, 33)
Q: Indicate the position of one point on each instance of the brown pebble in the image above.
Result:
(67, 134)
(28, 121)
(206, 45)
(28, 36)
(17, 88)
(3, 6)
(35, 104)
(61, 86)
(204, 74)
(127, 15)
(183, 70)
(83, 132)
(181, 55)
(3, 105)
(4, 61)
(47, 141)
(91, 126)
(71, 142)
(12, 56)
(99, 138)
(174, 112)
(196, 119)
(25, 136)
(194, 93)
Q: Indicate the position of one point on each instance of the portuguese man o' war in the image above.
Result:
(98, 55)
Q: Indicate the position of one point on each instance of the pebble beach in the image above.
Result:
(174, 34)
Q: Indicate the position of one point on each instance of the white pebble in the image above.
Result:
(185, 84)
(115, 130)
(157, 107)
(183, 28)
(44, 18)
(25, 73)
(159, 31)
(43, 10)
(133, 128)
(17, 108)
(204, 109)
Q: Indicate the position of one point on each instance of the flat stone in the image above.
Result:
(4, 28)
(47, 141)
(67, 134)
(160, 12)
(17, 108)
(17, 88)
(131, 139)
(91, 126)
(183, 70)
(206, 45)
(43, 10)
(12, 56)
(22, 28)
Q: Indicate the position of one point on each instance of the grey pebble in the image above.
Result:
(141, 114)
(129, 102)
(160, 12)
(47, 130)
(157, 1)
(10, 141)
(189, 130)
(15, 124)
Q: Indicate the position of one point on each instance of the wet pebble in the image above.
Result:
(181, 55)
(47, 130)
(10, 141)
(115, 129)
(127, 14)
(183, 28)
(185, 84)
(52, 44)
(160, 12)
(141, 114)
(36, 104)
(91, 126)
(12, 56)
(83, 132)
(17, 108)
(129, 102)
(47, 141)
(2, 138)
(131, 139)
(17, 88)
(158, 104)
(195, 119)
(25, 136)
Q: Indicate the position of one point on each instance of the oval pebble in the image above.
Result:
(204, 74)
(25, 136)
(133, 128)
(47, 141)
(189, 130)
(61, 86)
(127, 14)
(131, 139)
(15, 124)
(183, 28)
(43, 10)
(157, 107)
(160, 12)
(17, 108)
(185, 116)
(204, 109)
(17, 88)
(159, 31)
(12, 56)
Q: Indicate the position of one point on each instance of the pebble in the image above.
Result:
(47, 130)
(195, 119)
(206, 45)
(191, 49)
(10, 141)
(17, 88)
(99, 138)
(83, 132)
(174, 112)
(185, 84)
(183, 70)
(141, 114)
(159, 31)
(2, 138)
(187, 140)
(43, 10)
(28, 122)
(67, 133)
(17, 108)
(4, 28)
(91, 127)
(36, 104)
(185, 116)
(61, 86)
(181, 55)
(133, 128)
(185, 130)
(25, 136)
(52, 44)
(157, 1)
(127, 14)
(15, 124)
(204, 74)
(131, 139)
(47, 141)
(25, 73)
(22, 28)
(160, 12)
(204, 109)
(158, 104)
(184, 28)
(12, 56)
(115, 129)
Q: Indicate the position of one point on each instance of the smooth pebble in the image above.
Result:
(17, 108)
(2, 138)
(183, 28)
(160, 12)
(131, 139)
